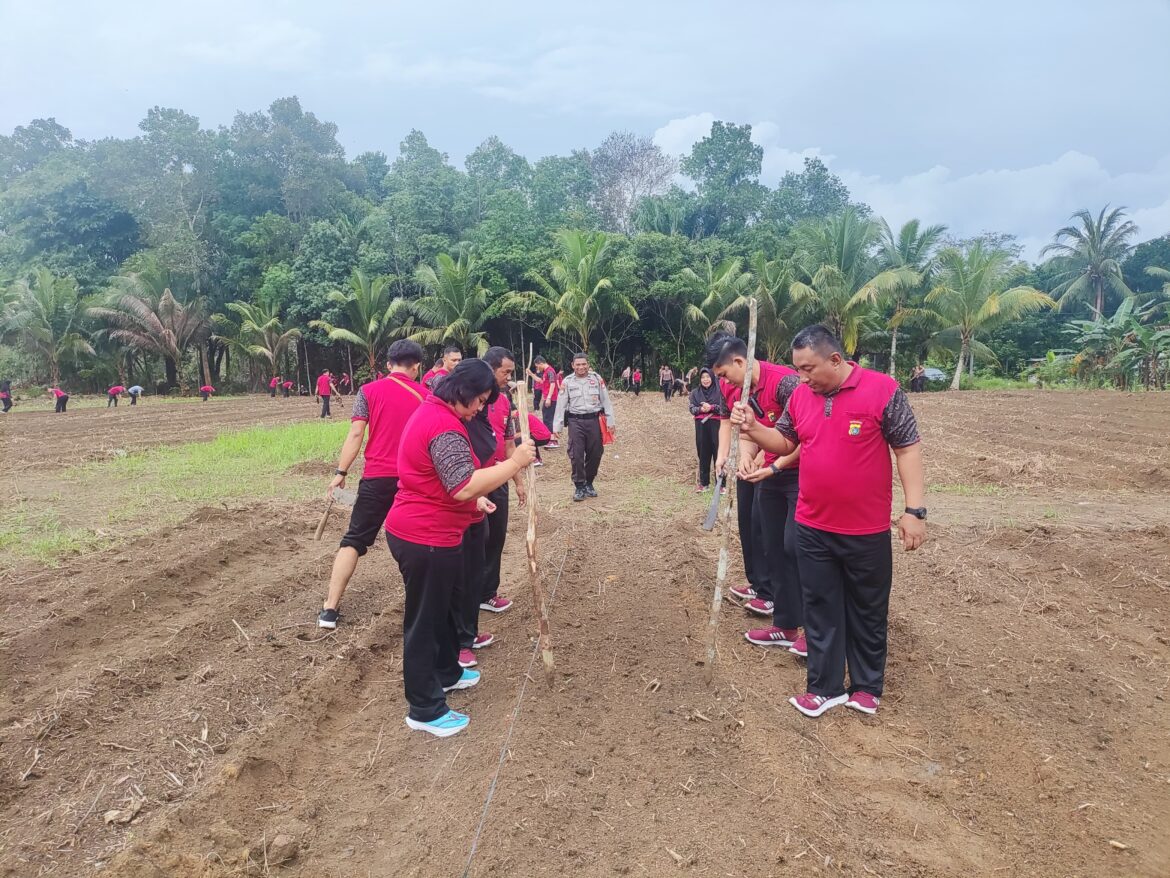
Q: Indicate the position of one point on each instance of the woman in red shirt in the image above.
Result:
(439, 489)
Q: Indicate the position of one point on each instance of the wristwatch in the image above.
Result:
(917, 511)
(341, 472)
(775, 469)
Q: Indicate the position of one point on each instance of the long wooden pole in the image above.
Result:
(732, 468)
(540, 606)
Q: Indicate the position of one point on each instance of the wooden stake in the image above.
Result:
(546, 653)
(732, 468)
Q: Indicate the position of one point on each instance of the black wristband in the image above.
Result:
(340, 472)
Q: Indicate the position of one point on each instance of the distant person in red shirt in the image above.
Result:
(205, 391)
(637, 382)
(61, 396)
(112, 395)
(845, 419)
(452, 355)
(272, 385)
(325, 387)
(380, 412)
(286, 388)
(345, 382)
(439, 488)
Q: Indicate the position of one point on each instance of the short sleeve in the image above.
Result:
(451, 454)
(361, 408)
(786, 427)
(899, 426)
(784, 390)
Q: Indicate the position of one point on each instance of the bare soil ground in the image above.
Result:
(177, 686)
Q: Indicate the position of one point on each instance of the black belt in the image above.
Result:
(570, 416)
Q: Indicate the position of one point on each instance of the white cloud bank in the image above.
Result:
(1031, 202)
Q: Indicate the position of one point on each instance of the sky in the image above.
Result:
(1003, 116)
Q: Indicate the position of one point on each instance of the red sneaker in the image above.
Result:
(771, 636)
(863, 702)
(496, 604)
(815, 705)
(482, 640)
(467, 659)
(799, 647)
(760, 607)
(743, 592)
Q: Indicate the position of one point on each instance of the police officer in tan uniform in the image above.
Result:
(582, 401)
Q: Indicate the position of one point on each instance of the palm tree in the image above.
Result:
(1089, 257)
(454, 306)
(841, 283)
(371, 312)
(151, 320)
(577, 296)
(911, 248)
(970, 298)
(777, 309)
(46, 315)
(717, 287)
(260, 333)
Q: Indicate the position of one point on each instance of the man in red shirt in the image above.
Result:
(452, 356)
(62, 398)
(272, 385)
(766, 493)
(381, 408)
(845, 420)
(205, 391)
(112, 395)
(286, 388)
(325, 387)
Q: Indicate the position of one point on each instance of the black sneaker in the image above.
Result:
(328, 619)
(579, 495)
(590, 491)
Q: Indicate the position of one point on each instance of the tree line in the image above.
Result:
(187, 254)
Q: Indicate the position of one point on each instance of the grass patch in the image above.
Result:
(649, 496)
(165, 483)
(969, 490)
(43, 538)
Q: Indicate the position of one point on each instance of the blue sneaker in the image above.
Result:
(450, 723)
(466, 680)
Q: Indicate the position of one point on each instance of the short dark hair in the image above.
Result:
(580, 355)
(495, 356)
(467, 381)
(819, 338)
(451, 348)
(404, 352)
(722, 347)
(539, 359)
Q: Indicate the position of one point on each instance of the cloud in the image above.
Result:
(1031, 202)
(280, 46)
(394, 67)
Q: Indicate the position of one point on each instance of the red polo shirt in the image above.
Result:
(385, 405)
(768, 392)
(116, 389)
(846, 477)
(323, 385)
(425, 510)
(500, 417)
(274, 382)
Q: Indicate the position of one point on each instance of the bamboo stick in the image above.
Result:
(732, 468)
(540, 606)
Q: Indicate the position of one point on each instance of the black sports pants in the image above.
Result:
(430, 644)
(496, 536)
(776, 509)
(707, 447)
(465, 599)
(585, 448)
(751, 539)
(846, 586)
(325, 406)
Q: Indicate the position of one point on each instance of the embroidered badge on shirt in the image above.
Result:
(855, 428)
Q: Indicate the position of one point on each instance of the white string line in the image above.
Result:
(508, 737)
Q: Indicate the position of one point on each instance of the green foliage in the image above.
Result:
(266, 219)
(45, 313)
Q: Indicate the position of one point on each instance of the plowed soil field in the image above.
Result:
(168, 706)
